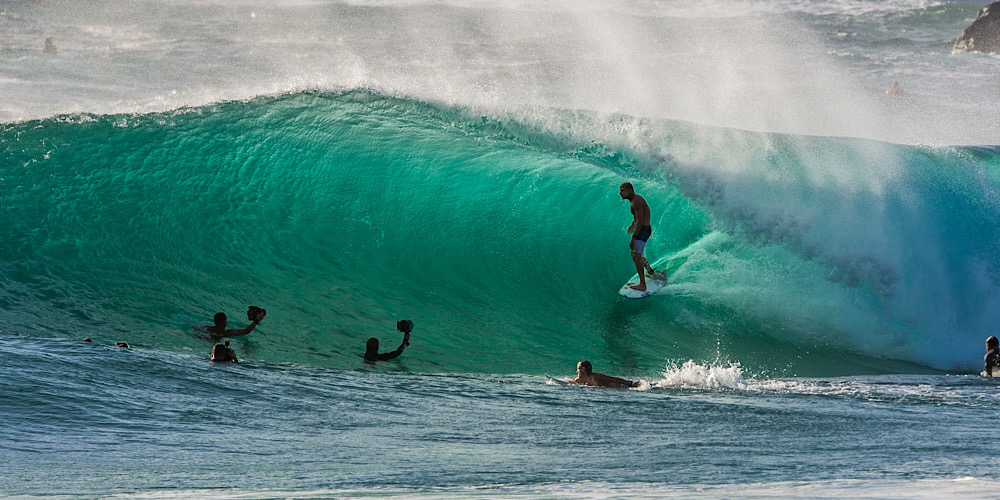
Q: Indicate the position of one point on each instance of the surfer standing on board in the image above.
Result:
(640, 231)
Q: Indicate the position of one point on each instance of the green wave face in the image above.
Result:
(502, 239)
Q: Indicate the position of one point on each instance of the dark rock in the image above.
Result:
(984, 33)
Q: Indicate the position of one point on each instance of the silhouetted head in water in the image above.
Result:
(223, 354)
(218, 352)
(371, 348)
(220, 321)
(992, 343)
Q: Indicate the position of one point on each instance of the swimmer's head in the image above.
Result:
(992, 343)
(220, 320)
(585, 367)
(371, 347)
(218, 352)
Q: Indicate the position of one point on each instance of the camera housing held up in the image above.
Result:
(253, 311)
(405, 326)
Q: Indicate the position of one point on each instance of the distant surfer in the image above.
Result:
(49, 48)
(254, 314)
(640, 231)
(372, 355)
(221, 353)
(895, 89)
(585, 375)
(992, 358)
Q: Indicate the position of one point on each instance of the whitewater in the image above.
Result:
(833, 248)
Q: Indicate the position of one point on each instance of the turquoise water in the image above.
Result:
(504, 242)
(832, 250)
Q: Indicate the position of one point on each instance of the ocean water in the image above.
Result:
(832, 250)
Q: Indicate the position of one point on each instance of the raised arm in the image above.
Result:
(236, 332)
(389, 355)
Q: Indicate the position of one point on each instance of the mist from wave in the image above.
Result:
(818, 68)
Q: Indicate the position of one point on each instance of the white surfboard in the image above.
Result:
(558, 381)
(652, 286)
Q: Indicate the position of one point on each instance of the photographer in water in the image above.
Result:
(371, 348)
(254, 314)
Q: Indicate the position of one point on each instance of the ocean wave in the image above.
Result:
(500, 235)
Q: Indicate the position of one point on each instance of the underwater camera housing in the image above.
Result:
(404, 325)
(253, 311)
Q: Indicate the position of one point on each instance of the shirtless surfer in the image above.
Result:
(585, 375)
(640, 231)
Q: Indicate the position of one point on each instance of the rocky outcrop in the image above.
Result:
(984, 33)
